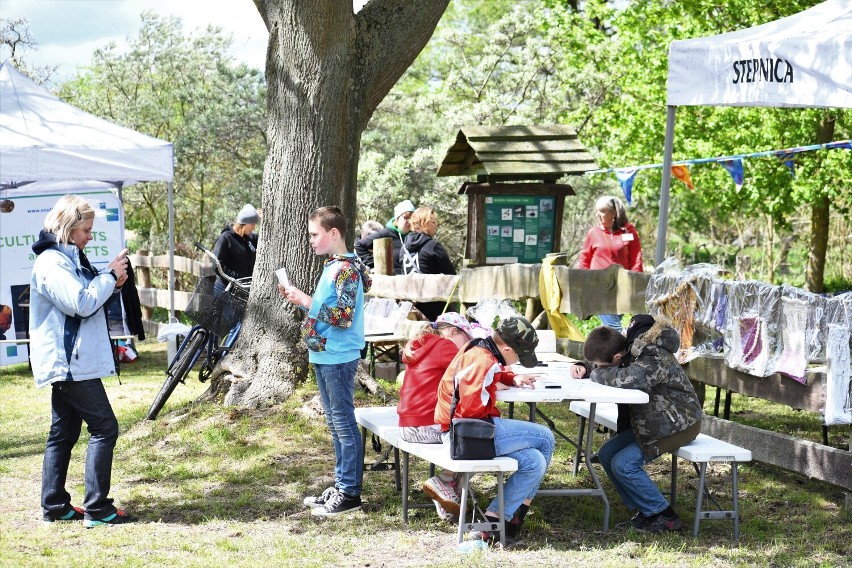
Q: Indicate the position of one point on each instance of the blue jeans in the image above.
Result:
(623, 461)
(611, 320)
(73, 402)
(532, 445)
(337, 392)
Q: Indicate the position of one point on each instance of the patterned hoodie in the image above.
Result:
(673, 406)
(334, 328)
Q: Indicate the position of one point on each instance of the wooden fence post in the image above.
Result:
(383, 256)
(143, 274)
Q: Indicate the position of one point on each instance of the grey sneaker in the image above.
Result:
(339, 504)
(444, 514)
(314, 501)
(444, 493)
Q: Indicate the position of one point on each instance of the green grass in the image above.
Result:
(218, 486)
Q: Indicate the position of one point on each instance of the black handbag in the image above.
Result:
(470, 438)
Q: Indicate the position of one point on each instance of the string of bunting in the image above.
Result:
(732, 164)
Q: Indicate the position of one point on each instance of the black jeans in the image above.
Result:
(73, 402)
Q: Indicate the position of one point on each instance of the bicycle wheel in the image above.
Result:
(179, 370)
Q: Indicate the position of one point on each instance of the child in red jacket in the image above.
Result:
(427, 356)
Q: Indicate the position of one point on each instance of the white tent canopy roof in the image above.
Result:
(45, 139)
(804, 60)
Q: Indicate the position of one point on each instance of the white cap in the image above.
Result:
(403, 207)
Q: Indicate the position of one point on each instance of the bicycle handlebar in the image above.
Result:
(219, 269)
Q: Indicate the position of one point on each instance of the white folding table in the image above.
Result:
(569, 390)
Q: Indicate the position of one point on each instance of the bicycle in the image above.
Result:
(216, 312)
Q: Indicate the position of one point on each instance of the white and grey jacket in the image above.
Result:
(69, 337)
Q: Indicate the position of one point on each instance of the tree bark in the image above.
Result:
(327, 70)
(820, 212)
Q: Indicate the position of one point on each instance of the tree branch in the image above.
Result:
(390, 35)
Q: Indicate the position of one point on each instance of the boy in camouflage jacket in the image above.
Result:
(644, 360)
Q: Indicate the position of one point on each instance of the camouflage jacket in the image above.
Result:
(673, 405)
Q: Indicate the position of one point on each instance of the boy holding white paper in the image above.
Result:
(334, 333)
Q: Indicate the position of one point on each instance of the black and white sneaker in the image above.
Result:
(314, 501)
(339, 504)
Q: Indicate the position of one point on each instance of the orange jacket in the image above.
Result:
(478, 371)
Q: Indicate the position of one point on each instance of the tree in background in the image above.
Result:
(489, 63)
(15, 40)
(327, 70)
(186, 89)
(621, 51)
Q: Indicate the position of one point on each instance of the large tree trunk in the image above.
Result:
(327, 70)
(820, 210)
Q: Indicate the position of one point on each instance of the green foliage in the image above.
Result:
(186, 89)
(602, 68)
(621, 51)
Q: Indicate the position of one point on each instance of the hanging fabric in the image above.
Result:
(793, 361)
(838, 406)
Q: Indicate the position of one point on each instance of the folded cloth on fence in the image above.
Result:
(170, 330)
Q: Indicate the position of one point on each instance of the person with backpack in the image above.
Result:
(395, 229)
(421, 253)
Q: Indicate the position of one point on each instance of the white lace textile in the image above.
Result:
(838, 406)
(793, 359)
(749, 351)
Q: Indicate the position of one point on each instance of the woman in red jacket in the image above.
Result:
(427, 356)
(613, 241)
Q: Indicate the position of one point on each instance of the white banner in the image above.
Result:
(21, 218)
(803, 60)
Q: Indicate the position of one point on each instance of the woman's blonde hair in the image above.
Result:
(420, 217)
(68, 215)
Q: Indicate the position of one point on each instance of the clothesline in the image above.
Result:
(733, 165)
(787, 151)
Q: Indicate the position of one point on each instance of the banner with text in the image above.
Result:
(21, 218)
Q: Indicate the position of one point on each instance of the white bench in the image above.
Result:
(606, 414)
(384, 423)
(700, 452)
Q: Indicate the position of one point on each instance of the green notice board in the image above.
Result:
(518, 228)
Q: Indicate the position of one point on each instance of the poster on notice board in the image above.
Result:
(518, 228)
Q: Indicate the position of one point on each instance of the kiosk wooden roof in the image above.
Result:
(514, 153)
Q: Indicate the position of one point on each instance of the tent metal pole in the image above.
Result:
(171, 250)
(665, 188)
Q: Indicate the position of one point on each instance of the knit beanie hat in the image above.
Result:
(248, 215)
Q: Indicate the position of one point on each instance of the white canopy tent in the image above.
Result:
(45, 143)
(804, 60)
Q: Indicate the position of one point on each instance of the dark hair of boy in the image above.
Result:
(602, 344)
(330, 217)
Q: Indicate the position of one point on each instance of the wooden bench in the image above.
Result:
(384, 423)
(701, 451)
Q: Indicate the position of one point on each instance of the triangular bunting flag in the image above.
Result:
(735, 168)
(682, 173)
(788, 156)
(625, 180)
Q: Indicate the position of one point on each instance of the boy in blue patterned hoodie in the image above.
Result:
(334, 333)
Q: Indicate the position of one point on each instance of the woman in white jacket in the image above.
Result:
(70, 350)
